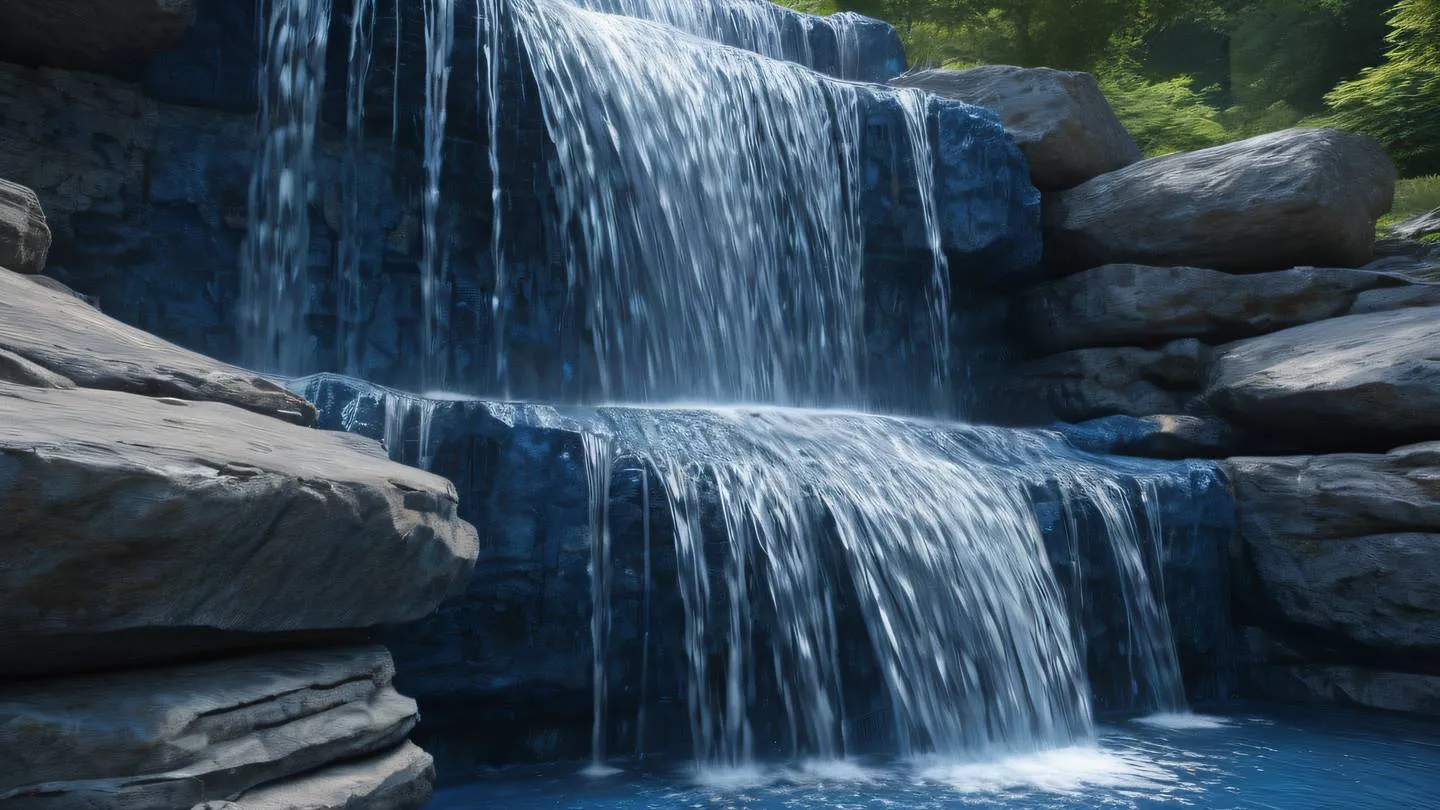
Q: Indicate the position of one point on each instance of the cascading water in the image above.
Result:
(711, 199)
(347, 282)
(274, 285)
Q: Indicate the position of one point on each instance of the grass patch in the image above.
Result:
(1413, 196)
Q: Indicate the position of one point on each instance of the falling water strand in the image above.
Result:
(493, 9)
(439, 42)
(395, 83)
(347, 280)
(599, 458)
(274, 290)
(397, 416)
(723, 269)
(1170, 689)
(645, 615)
(916, 106)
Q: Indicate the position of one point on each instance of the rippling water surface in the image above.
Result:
(1265, 757)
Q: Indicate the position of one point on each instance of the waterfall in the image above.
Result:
(275, 290)
(711, 199)
(599, 457)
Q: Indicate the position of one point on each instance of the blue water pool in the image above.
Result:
(1270, 757)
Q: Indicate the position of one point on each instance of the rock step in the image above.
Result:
(129, 518)
(401, 779)
(179, 736)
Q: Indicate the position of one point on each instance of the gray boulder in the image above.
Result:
(1289, 198)
(1405, 692)
(1418, 226)
(401, 779)
(1346, 546)
(171, 738)
(1129, 304)
(24, 234)
(138, 527)
(1061, 120)
(96, 35)
(65, 335)
(1361, 381)
(1088, 383)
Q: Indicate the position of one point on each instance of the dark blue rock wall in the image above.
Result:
(504, 673)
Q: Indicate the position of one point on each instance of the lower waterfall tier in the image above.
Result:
(509, 671)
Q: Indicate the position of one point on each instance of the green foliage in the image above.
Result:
(1398, 102)
(1165, 116)
(1413, 197)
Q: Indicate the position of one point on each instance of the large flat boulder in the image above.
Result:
(1129, 304)
(24, 233)
(1361, 381)
(174, 737)
(1061, 120)
(99, 35)
(129, 520)
(1090, 383)
(1289, 198)
(1382, 690)
(1346, 547)
(65, 335)
(1172, 436)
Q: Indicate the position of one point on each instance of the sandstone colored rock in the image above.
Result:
(1129, 304)
(1061, 120)
(24, 233)
(1360, 381)
(401, 779)
(1346, 546)
(129, 518)
(72, 339)
(1090, 383)
(1285, 199)
(99, 35)
(1173, 436)
(174, 737)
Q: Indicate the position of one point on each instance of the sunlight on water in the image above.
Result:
(1182, 721)
(1060, 770)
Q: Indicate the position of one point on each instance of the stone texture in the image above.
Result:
(1344, 547)
(1418, 226)
(1061, 120)
(1127, 304)
(401, 779)
(1159, 436)
(24, 233)
(1358, 382)
(171, 738)
(1089, 383)
(68, 337)
(130, 517)
(1406, 692)
(1391, 298)
(1288, 198)
(100, 35)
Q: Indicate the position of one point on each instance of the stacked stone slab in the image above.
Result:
(1231, 302)
(186, 566)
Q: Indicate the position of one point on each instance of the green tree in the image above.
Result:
(1398, 102)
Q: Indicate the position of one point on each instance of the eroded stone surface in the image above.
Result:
(401, 779)
(1356, 382)
(1090, 383)
(177, 736)
(99, 35)
(1288, 198)
(133, 515)
(24, 233)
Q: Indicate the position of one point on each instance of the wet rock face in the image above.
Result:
(1060, 119)
(513, 655)
(97, 35)
(1294, 197)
